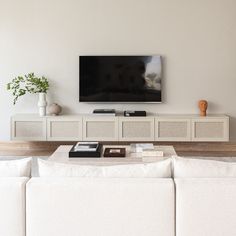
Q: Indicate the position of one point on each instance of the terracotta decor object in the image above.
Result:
(54, 109)
(203, 104)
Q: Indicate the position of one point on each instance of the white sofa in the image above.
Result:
(12, 206)
(196, 202)
(100, 207)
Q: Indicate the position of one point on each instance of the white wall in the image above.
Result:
(196, 38)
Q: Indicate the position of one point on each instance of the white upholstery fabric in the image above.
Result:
(15, 168)
(55, 169)
(206, 207)
(160, 169)
(196, 168)
(100, 207)
(12, 206)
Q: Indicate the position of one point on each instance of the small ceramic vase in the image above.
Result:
(42, 104)
(54, 109)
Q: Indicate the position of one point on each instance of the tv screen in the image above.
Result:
(120, 78)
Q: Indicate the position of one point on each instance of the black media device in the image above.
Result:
(135, 113)
(117, 79)
(104, 111)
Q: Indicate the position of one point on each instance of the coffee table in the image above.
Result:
(62, 155)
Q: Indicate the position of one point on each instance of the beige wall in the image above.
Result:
(196, 38)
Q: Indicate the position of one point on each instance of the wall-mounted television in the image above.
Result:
(120, 79)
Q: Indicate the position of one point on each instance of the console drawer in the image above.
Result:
(172, 129)
(210, 129)
(64, 129)
(100, 129)
(136, 129)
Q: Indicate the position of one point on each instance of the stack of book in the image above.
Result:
(86, 149)
(145, 149)
(141, 147)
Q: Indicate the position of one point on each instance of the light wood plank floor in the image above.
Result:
(225, 149)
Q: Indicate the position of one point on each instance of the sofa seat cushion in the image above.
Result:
(160, 169)
(205, 207)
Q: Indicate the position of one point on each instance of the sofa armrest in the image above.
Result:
(12, 206)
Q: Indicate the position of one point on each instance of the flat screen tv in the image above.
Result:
(120, 78)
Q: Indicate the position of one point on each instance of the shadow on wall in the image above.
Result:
(163, 82)
(232, 128)
(213, 106)
(66, 110)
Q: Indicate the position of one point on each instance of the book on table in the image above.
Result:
(86, 146)
(140, 147)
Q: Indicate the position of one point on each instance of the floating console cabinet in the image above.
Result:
(31, 127)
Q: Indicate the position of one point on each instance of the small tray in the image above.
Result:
(75, 154)
(114, 152)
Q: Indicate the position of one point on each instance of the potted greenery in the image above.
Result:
(30, 83)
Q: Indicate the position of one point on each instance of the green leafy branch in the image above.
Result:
(20, 85)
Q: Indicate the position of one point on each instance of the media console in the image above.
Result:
(31, 127)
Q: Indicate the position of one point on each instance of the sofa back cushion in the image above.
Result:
(197, 168)
(160, 169)
(100, 206)
(15, 168)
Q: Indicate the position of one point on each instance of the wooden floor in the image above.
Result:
(213, 149)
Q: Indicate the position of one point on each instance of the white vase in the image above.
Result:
(42, 103)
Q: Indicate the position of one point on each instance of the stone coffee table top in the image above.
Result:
(62, 155)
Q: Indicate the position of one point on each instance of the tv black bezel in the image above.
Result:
(124, 102)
